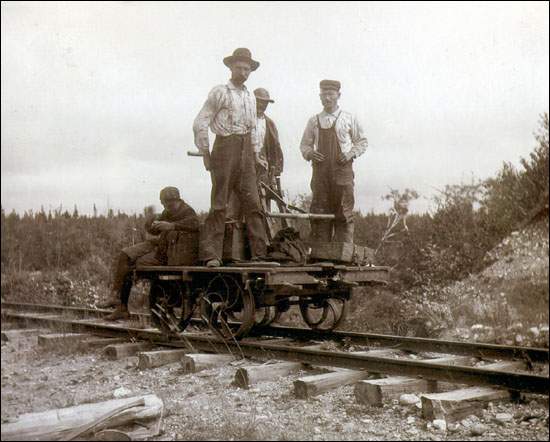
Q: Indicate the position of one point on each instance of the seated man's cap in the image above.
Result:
(169, 193)
(330, 84)
(262, 94)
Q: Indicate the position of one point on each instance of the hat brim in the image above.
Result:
(269, 100)
(253, 63)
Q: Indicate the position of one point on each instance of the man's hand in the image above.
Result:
(262, 162)
(206, 160)
(318, 157)
(162, 226)
(344, 157)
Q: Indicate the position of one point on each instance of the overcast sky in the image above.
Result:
(98, 99)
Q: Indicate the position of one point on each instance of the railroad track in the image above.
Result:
(384, 360)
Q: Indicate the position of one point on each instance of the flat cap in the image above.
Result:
(330, 84)
(169, 193)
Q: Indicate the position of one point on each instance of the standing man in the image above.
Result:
(268, 140)
(230, 112)
(331, 141)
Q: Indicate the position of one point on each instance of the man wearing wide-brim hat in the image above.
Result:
(331, 141)
(230, 112)
(268, 139)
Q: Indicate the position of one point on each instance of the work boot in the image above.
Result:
(113, 301)
(213, 263)
(121, 312)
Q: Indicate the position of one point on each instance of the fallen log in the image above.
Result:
(66, 422)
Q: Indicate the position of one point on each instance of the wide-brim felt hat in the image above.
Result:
(241, 54)
(262, 95)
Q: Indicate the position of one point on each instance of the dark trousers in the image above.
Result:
(338, 200)
(143, 253)
(333, 193)
(233, 170)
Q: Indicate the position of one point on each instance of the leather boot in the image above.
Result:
(111, 302)
(121, 312)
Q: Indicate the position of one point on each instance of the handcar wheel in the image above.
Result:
(171, 305)
(227, 308)
(324, 314)
(267, 315)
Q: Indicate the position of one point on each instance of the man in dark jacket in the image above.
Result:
(270, 159)
(268, 140)
(178, 216)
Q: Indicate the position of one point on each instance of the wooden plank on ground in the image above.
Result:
(20, 333)
(457, 404)
(194, 362)
(119, 351)
(58, 340)
(151, 359)
(61, 423)
(317, 384)
(246, 376)
(102, 342)
(376, 391)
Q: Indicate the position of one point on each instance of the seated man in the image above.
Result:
(177, 215)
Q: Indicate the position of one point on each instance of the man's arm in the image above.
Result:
(307, 145)
(308, 140)
(204, 118)
(358, 139)
(187, 220)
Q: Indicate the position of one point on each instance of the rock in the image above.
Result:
(121, 392)
(453, 428)
(503, 418)
(478, 429)
(409, 399)
(411, 420)
(349, 427)
(440, 425)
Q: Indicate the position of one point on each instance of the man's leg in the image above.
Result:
(222, 165)
(122, 278)
(321, 230)
(247, 187)
(343, 224)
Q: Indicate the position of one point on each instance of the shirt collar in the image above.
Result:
(334, 114)
(230, 85)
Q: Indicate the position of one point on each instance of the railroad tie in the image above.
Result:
(376, 391)
(194, 362)
(314, 385)
(457, 404)
(247, 376)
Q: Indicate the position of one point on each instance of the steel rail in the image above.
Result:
(479, 350)
(440, 372)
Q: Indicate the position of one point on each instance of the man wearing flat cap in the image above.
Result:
(230, 112)
(176, 216)
(331, 141)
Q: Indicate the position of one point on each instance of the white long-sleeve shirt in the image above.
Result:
(348, 130)
(228, 110)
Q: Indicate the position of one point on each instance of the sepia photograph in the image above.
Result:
(286, 220)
